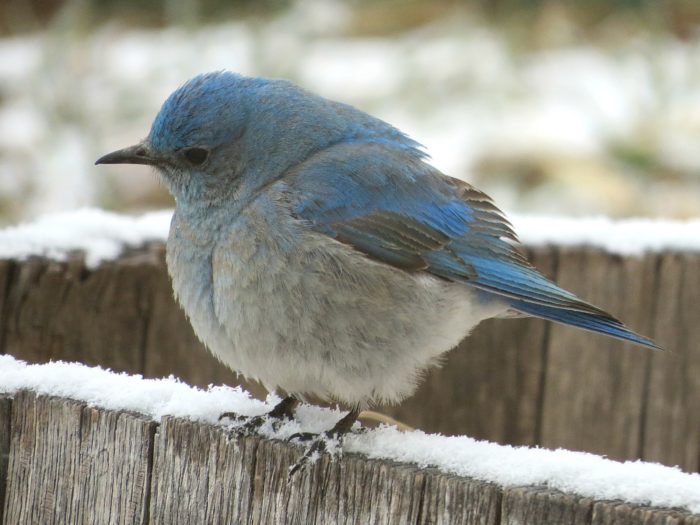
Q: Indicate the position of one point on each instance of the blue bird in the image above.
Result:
(314, 249)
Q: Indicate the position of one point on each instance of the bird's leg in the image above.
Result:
(328, 441)
(284, 410)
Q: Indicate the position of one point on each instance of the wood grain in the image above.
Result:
(245, 481)
(70, 463)
(532, 506)
(672, 422)
(62, 311)
(73, 464)
(44, 453)
(616, 513)
(594, 385)
(5, 417)
(198, 475)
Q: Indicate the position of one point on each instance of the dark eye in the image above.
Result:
(196, 156)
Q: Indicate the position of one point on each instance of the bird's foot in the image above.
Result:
(233, 417)
(283, 411)
(303, 437)
(320, 443)
(330, 442)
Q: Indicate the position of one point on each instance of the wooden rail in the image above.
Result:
(513, 381)
(64, 462)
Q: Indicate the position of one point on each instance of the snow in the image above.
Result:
(623, 237)
(100, 234)
(579, 473)
(103, 235)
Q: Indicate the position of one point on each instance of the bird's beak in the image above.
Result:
(138, 154)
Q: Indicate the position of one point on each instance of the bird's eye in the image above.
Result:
(196, 156)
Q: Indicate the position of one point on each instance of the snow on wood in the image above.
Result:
(104, 235)
(574, 473)
(101, 235)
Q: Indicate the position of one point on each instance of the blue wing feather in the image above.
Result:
(387, 203)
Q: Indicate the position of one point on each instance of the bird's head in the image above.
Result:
(221, 136)
(194, 140)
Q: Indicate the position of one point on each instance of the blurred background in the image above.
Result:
(577, 107)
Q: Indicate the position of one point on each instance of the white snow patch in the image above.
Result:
(100, 234)
(572, 472)
(624, 237)
(103, 235)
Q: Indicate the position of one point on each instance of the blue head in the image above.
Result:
(207, 111)
(193, 140)
(221, 135)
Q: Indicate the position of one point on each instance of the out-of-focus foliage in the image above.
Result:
(589, 19)
(18, 16)
(552, 107)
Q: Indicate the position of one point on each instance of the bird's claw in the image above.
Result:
(252, 425)
(302, 436)
(232, 416)
(331, 442)
(283, 411)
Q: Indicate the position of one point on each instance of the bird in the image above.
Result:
(314, 248)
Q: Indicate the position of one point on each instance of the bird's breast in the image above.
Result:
(189, 259)
(306, 313)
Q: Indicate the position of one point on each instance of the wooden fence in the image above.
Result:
(64, 462)
(513, 381)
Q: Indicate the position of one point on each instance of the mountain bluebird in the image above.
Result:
(314, 248)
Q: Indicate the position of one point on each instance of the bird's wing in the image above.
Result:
(398, 210)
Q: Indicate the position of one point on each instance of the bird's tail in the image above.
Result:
(590, 318)
(529, 292)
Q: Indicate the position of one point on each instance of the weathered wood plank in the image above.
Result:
(43, 460)
(62, 311)
(594, 386)
(5, 430)
(449, 499)
(121, 315)
(532, 506)
(672, 423)
(73, 464)
(115, 446)
(7, 268)
(200, 476)
(617, 513)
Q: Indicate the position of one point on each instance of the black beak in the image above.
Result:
(138, 154)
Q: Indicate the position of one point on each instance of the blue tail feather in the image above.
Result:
(529, 292)
(596, 322)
